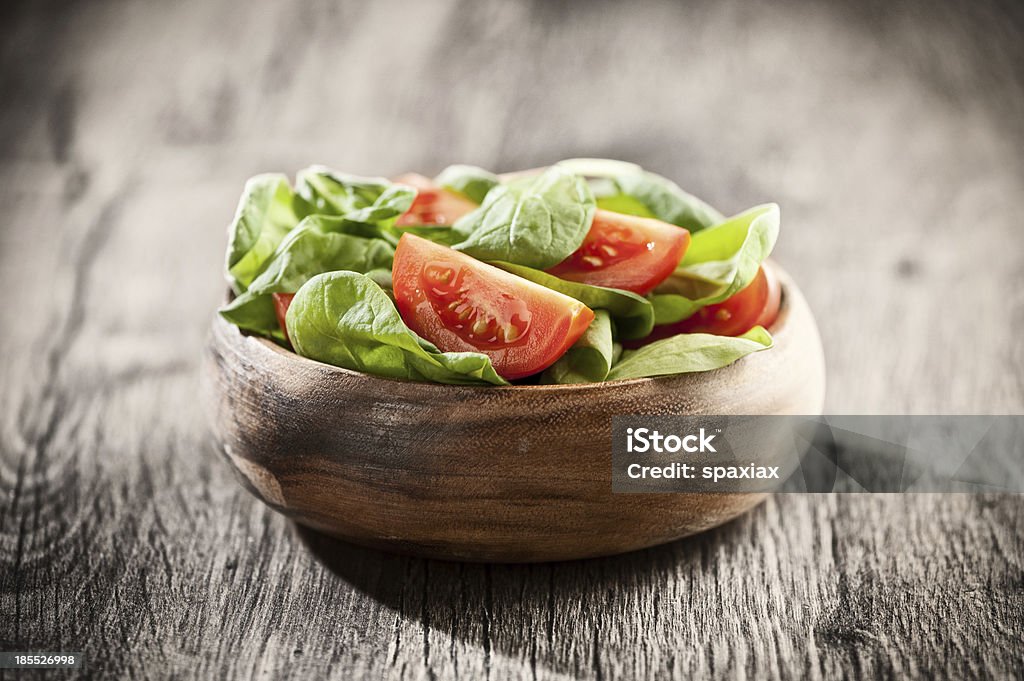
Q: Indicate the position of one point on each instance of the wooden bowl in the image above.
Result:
(504, 474)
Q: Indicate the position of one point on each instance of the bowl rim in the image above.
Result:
(778, 332)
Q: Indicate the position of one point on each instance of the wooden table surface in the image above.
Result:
(891, 137)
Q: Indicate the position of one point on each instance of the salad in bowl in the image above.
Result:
(586, 271)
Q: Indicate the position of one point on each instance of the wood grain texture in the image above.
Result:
(513, 474)
(890, 135)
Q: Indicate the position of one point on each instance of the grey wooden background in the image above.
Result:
(891, 134)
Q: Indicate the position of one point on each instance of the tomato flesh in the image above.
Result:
(433, 206)
(625, 252)
(281, 303)
(463, 305)
(478, 324)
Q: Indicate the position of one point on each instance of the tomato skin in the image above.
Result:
(433, 206)
(281, 303)
(756, 305)
(625, 252)
(463, 305)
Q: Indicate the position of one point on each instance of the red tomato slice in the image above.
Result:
(461, 304)
(281, 303)
(433, 206)
(625, 252)
(756, 305)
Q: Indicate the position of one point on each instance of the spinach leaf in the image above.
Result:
(265, 213)
(720, 261)
(625, 204)
(535, 221)
(440, 235)
(392, 202)
(369, 205)
(688, 352)
(332, 193)
(253, 313)
(589, 359)
(472, 182)
(345, 319)
(318, 244)
(663, 199)
(382, 277)
(369, 200)
(633, 314)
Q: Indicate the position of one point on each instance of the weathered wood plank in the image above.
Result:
(889, 135)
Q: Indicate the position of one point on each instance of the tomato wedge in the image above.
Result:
(433, 206)
(756, 305)
(461, 304)
(281, 303)
(625, 252)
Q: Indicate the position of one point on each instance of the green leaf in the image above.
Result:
(589, 359)
(687, 353)
(345, 319)
(254, 313)
(332, 193)
(439, 235)
(372, 201)
(670, 308)
(392, 202)
(535, 221)
(265, 214)
(720, 262)
(319, 244)
(663, 199)
(369, 205)
(472, 182)
(382, 278)
(627, 205)
(633, 314)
